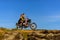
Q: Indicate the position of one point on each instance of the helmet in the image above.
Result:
(23, 14)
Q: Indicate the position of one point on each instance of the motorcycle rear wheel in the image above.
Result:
(19, 27)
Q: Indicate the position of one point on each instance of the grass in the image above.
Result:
(25, 35)
(1, 36)
(23, 32)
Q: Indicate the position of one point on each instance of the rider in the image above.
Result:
(23, 20)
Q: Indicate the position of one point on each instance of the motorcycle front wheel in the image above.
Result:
(33, 26)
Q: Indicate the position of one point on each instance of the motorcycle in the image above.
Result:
(31, 24)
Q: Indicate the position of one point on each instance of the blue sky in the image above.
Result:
(45, 13)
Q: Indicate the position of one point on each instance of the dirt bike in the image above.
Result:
(31, 24)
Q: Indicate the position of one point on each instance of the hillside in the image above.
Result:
(29, 34)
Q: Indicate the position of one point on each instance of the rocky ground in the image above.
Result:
(30, 35)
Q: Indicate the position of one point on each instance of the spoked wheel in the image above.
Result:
(19, 27)
(33, 26)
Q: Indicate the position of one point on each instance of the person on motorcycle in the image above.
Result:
(23, 20)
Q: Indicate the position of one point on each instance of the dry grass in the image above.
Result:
(23, 32)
